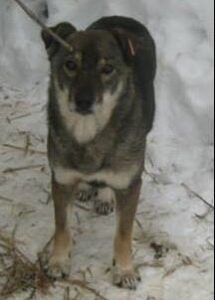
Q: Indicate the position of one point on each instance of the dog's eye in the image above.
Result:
(71, 65)
(107, 69)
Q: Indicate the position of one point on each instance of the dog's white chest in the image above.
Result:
(116, 180)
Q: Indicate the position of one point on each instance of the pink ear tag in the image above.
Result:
(131, 47)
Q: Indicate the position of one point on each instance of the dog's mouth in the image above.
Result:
(84, 112)
(81, 110)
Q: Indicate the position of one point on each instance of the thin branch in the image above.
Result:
(66, 293)
(6, 199)
(203, 216)
(42, 25)
(82, 207)
(84, 285)
(19, 117)
(139, 224)
(197, 195)
(28, 143)
(11, 170)
(152, 176)
(30, 150)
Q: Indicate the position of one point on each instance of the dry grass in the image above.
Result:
(18, 274)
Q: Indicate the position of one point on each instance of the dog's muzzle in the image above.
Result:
(84, 104)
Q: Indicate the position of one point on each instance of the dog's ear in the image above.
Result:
(62, 30)
(128, 43)
(138, 51)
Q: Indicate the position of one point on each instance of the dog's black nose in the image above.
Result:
(83, 103)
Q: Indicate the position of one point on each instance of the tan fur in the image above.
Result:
(61, 248)
(117, 180)
(126, 209)
(62, 245)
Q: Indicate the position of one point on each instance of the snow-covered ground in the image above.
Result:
(180, 149)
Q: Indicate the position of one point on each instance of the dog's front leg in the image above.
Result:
(125, 274)
(58, 254)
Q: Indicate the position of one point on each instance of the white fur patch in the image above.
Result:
(85, 128)
(106, 194)
(117, 180)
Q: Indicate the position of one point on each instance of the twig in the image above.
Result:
(197, 195)
(30, 150)
(84, 285)
(78, 218)
(6, 199)
(152, 176)
(155, 264)
(210, 243)
(150, 160)
(49, 197)
(203, 216)
(82, 207)
(41, 24)
(11, 170)
(19, 117)
(185, 262)
(139, 224)
(27, 145)
(27, 212)
(66, 293)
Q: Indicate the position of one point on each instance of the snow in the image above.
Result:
(180, 148)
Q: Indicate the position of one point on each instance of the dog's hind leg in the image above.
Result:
(125, 275)
(57, 258)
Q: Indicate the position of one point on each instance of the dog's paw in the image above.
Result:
(126, 279)
(85, 193)
(103, 208)
(56, 265)
(104, 202)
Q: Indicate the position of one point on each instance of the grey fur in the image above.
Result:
(122, 142)
(101, 108)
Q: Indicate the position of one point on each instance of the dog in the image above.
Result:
(101, 108)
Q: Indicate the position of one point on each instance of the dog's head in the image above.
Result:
(90, 79)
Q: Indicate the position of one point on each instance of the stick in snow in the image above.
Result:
(42, 25)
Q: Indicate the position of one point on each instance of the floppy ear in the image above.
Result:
(62, 30)
(128, 43)
(138, 51)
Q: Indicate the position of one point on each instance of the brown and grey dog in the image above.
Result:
(101, 108)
